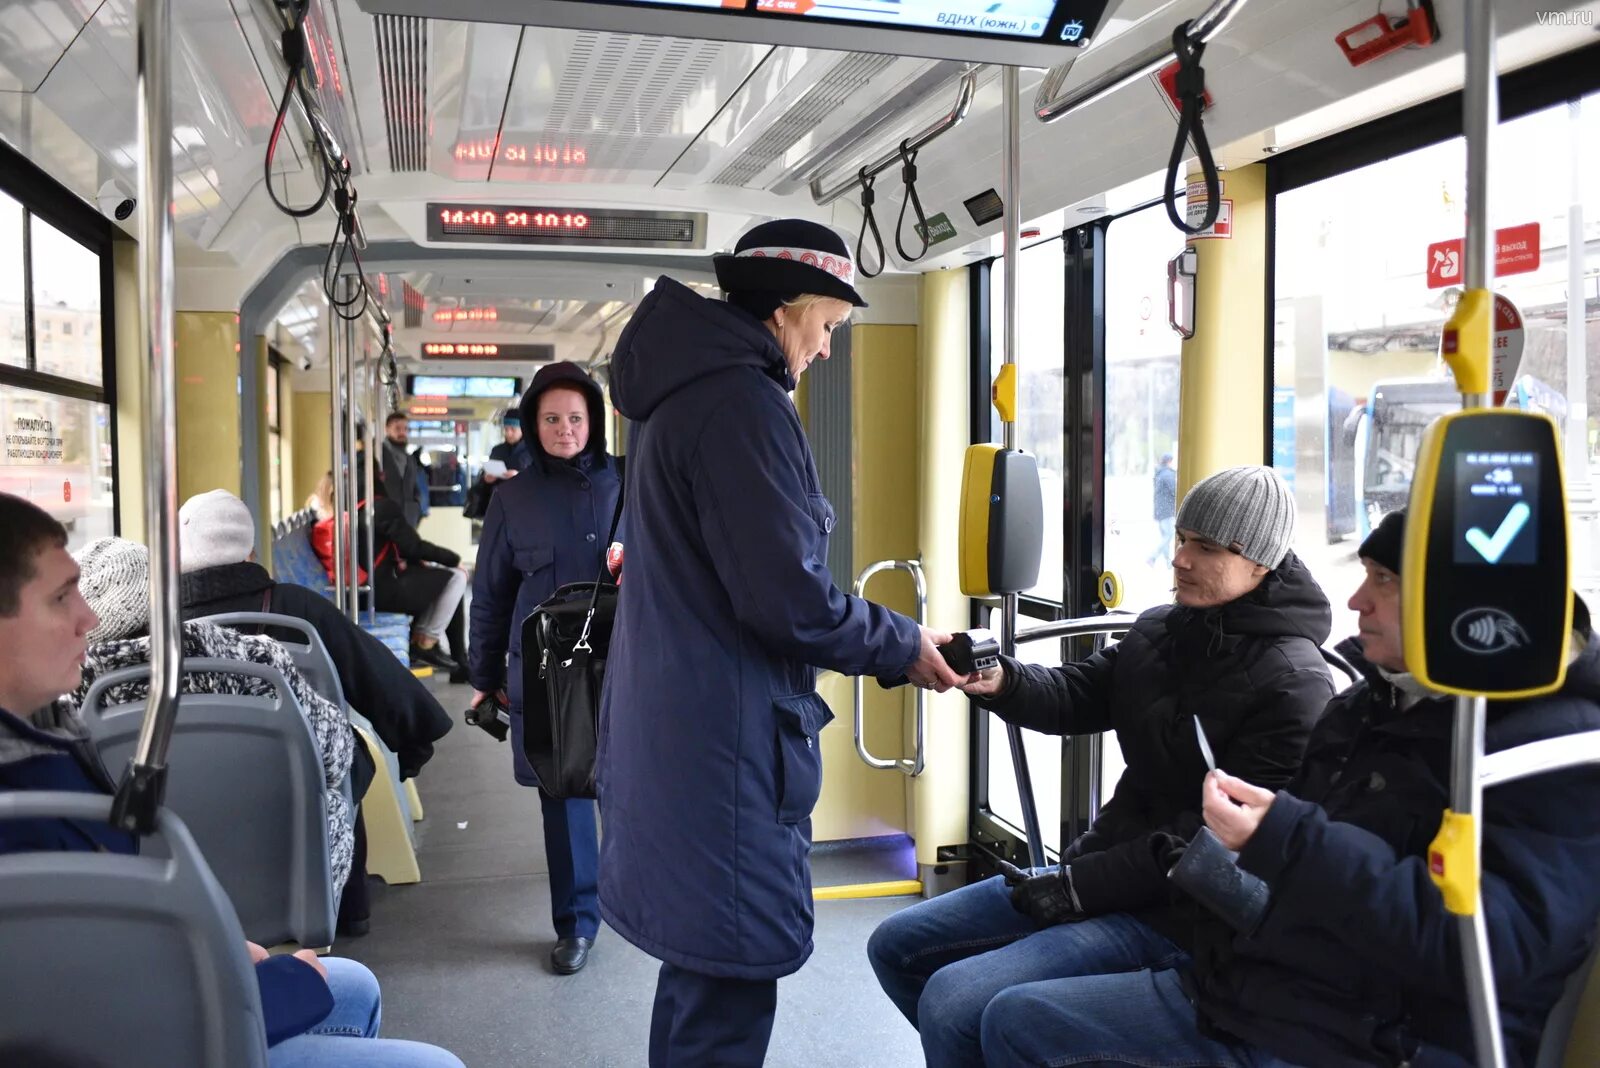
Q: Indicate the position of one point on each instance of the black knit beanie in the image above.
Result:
(1385, 545)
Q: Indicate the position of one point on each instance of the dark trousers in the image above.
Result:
(572, 849)
(704, 1022)
(355, 904)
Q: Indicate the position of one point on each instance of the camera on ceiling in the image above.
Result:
(115, 201)
(303, 361)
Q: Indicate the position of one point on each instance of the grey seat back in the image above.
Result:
(244, 775)
(306, 648)
(309, 653)
(133, 961)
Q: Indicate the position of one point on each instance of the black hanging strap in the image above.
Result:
(908, 174)
(867, 219)
(1191, 86)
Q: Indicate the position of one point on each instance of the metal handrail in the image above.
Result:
(949, 121)
(913, 767)
(139, 794)
(1049, 107)
(1539, 758)
(1111, 624)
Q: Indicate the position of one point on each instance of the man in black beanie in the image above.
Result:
(1355, 959)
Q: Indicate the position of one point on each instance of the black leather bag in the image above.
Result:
(565, 642)
(476, 506)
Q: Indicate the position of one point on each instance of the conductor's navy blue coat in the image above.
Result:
(709, 757)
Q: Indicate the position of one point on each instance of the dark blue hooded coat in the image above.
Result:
(709, 764)
(545, 528)
(1356, 961)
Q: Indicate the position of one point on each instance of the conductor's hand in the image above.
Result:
(929, 671)
(479, 697)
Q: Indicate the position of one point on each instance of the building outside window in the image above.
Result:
(56, 408)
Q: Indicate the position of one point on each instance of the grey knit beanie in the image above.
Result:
(116, 583)
(1247, 509)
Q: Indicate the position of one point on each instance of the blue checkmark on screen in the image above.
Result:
(1492, 548)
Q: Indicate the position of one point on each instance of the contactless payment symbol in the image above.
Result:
(1486, 631)
(1493, 546)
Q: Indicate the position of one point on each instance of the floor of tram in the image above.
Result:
(463, 955)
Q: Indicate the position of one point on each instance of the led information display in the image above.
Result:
(488, 350)
(517, 224)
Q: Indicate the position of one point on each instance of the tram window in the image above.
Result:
(57, 454)
(1044, 758)
(1141, 410)
(1041, 387)
(14, 330)
(66, 294)
(1357, 325)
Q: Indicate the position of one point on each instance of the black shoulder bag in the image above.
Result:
(565, 642)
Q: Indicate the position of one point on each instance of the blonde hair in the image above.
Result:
(805, 300)
(321, 499)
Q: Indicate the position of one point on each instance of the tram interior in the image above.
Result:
(1315, 311)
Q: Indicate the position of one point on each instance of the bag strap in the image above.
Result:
(605, 572)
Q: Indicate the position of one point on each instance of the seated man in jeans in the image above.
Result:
(1355, 960)
(313, 1007)
(1239, 654)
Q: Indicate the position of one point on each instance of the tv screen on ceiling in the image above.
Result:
(477, 387)
(1029, 33)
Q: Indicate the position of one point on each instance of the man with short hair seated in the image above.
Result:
(1238, 654)
(1354, 960)
(312, 1007)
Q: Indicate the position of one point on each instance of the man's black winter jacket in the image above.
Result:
(1251, 671)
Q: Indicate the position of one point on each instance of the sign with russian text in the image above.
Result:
(1516, 252)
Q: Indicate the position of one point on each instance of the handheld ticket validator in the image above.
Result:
(969, 651)
(1486, 570)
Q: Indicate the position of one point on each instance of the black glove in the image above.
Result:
(1046, 898)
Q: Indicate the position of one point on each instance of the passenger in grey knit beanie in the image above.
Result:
(1247, 510)
(116, 583)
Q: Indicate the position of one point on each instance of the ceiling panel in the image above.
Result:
(605, 108)
(34, 35)
(470, 69)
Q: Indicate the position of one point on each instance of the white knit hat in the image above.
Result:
(116, 583)
(214, 528)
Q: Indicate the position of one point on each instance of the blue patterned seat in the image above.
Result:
(294, 560)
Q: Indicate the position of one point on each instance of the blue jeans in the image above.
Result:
(943, 961)
(1138, 1018)
(348, 1038)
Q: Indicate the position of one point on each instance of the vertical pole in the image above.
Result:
(353, 493)
(375, 416)
(1011, 181)
(1580, 491)
(341, 503)
(1481, 105)
(140, 792)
